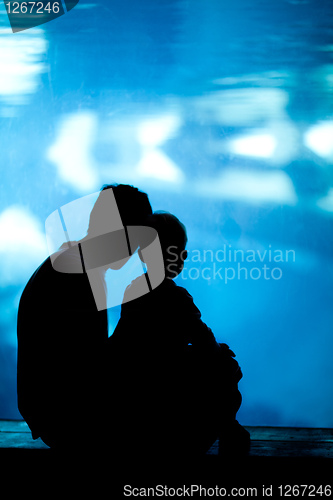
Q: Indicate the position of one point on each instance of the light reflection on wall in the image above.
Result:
(251, 187)
(21, 64)
(71, 152)
(319, 139)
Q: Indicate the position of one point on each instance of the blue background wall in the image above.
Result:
(223, 112)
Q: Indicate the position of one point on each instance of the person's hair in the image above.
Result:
(133, 206)
(173, 238)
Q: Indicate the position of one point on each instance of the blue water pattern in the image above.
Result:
(223, 113)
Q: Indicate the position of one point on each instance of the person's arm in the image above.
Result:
(197, 332)
(204, 342)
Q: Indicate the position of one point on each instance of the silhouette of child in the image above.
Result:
(173, 371)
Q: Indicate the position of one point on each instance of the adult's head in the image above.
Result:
(133, 207)
(117, 208)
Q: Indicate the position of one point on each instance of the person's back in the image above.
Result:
(61, 337)
(56, 318)
(172, 355)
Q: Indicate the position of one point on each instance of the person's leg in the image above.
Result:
(216, 400)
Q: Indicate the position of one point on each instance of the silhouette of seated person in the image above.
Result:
(177, 385)
(62, 333)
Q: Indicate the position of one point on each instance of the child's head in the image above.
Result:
(173, 239)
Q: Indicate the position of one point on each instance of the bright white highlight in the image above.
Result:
(319, 139)
(154, 162)
(71, 152)
(21, 63)
(156, 131)
(252, 187)
(261, 145)
(157, 165)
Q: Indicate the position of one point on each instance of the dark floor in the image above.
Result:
(278, 456)
(265, 441)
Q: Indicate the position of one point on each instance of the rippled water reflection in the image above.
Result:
(224, 114)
